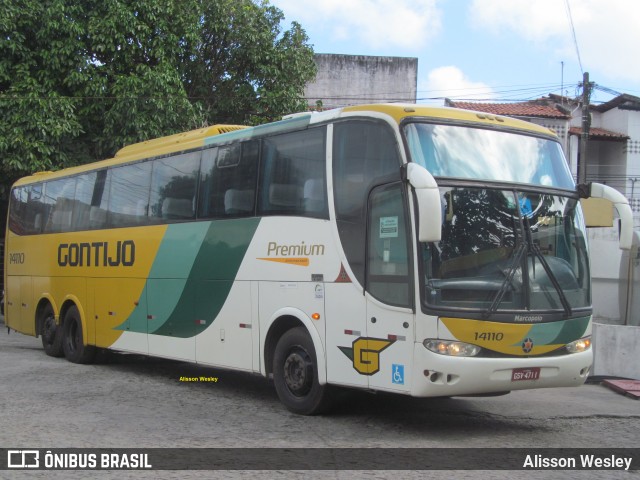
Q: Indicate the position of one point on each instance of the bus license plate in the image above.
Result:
(519, 374)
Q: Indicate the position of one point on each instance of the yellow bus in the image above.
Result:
(401, 248)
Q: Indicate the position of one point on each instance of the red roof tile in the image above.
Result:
(525, 109)
(600, 134)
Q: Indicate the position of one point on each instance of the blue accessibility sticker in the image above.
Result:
(397, 376)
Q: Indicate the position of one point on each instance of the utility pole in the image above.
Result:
(586, 124)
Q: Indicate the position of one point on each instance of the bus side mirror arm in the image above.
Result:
(621, 204)
(428, 201)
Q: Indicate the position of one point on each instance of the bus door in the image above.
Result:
(388, 351)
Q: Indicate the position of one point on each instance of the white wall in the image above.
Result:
(616, 305)
(616, 351)
(356, 79)
(605, 274)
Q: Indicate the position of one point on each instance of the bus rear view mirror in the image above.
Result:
(429, 203)
(596, 194)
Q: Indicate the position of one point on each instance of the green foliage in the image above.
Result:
(79, 80)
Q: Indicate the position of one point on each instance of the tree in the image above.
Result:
(79, 80)
(243, 67)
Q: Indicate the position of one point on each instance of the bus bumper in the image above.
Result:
(437, 375)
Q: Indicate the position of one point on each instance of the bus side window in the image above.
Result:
(365, 154)
(173, 189)
(129, 188)
(228, 180)
(25, 211)
(208, 203)
(85, 185)
(100, 200)
(293, 179)
(388, 257)
(59, 199)
(239, 198)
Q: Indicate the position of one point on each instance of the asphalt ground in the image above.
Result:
(132, 401)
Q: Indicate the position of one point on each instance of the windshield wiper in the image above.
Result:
(554, 281)
(516, 260)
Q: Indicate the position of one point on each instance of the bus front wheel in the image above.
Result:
(72, 344)
(295, 374)
(51, 333)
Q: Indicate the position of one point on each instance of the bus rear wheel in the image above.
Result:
(51, 333)
(72, 344)
(295, 374)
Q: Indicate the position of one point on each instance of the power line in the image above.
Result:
(573, 32)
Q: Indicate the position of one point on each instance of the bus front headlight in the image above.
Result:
(451, 348)
(579, 345)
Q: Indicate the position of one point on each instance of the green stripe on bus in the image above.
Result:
(557, 333)
(200, 281)
(571, 330)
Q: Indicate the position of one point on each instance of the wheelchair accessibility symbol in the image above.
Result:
(398, 374)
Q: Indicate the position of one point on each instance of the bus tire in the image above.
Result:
(50, 332)
(295, 374)
(72, 344)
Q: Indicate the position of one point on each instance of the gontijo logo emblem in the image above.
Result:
(365, 354)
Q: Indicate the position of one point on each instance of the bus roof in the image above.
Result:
(399, 112)
(179, 141)
(224, 133)
(137, 151)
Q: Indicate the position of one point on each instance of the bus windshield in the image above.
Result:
(507, 250)
(503, 249)
(482, 154)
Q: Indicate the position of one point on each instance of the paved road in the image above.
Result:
(134, 401)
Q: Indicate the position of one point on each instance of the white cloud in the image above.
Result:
(607, 31)
(380, 24)
(450, 82)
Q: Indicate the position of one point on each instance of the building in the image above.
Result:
(344, 80)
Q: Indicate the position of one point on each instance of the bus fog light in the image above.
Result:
(451, 348)
(579, 345)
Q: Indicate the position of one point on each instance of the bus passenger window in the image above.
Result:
(228, 180)
(85, 185)
(59, 198)
(26, 210)
(129, 189)
(293, 174)
(173, 189)
(100, 200)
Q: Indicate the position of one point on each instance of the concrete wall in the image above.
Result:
(616, 304)
(344, 80)
(606, 260)
(616, 350)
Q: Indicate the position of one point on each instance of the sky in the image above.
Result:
(486, 50)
